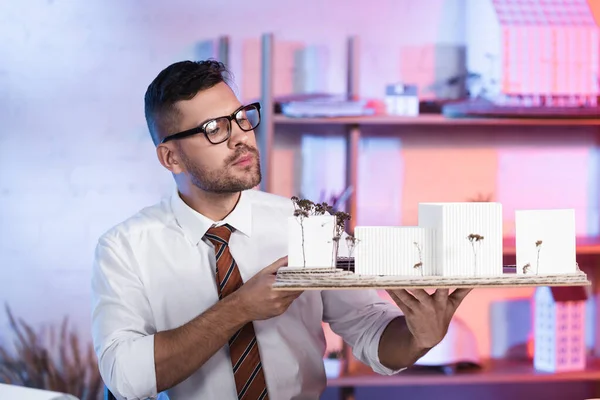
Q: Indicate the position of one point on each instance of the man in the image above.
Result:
(183, 298)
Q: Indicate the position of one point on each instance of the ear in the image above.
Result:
(169, 158)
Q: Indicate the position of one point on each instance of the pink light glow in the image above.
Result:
(530, 178)
(553, 42)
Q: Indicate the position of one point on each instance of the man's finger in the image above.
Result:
(404, 297)
(290, 294)
(459, 295)
(401, 305)
(271, 269)
(441, 295)
(421, 295)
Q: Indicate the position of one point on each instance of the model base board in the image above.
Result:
(289, 278)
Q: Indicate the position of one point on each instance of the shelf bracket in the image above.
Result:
(267, 124)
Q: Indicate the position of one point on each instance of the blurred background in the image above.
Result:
(375, 105)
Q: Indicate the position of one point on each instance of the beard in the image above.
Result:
(223, 180)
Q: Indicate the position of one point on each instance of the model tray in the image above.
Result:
(289, 278)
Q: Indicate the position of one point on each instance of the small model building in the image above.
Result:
(559, 327)
(545, 241)
(314, 235)
(311, 241)
(468, 237)
(398, 250)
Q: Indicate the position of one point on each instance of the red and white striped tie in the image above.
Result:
(245, 357)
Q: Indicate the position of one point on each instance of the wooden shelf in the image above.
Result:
(431, 119)
(493, 372)
(589, 245)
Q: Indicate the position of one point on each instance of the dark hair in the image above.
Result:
(179, 81)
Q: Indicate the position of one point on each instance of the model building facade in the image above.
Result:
(396, 250)
(535, 52)
(559, 327)
(468, 237)
(311, 241)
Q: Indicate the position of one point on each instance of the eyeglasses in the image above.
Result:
(218, 130)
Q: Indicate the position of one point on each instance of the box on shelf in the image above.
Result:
(402, 100)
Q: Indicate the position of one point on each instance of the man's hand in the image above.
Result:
(428, 316)
(257, 297)
(179, 352)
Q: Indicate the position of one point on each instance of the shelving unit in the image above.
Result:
(353, 125)
(432, 120)
(493, 372)
(589, 247)
(269, 120)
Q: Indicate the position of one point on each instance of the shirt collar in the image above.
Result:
(195, 225)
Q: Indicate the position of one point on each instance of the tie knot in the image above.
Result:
(219, 234)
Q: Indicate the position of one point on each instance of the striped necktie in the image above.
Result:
(245, 358)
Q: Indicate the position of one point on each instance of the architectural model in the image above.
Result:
(454, 245)
(535, 53)
(559, 326)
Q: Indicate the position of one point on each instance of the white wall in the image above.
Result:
(75, 157)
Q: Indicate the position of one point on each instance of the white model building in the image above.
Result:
(310, 241)
(468, 237)
(394, 250)
(452, 239)
(545, 241)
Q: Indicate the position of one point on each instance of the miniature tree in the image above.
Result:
(538, 245)
(304, 208)
(351, 244)
(481, 198)
(340, 224)
(322, 209)
(475, 239)
(419, 265)
(341, 219)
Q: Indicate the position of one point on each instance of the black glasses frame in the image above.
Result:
(202, 128)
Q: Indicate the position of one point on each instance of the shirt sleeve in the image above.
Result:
(360, 317)
(122, 323)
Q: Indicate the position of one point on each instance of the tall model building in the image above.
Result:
(535, 52)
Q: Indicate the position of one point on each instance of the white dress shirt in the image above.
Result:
(155, 272)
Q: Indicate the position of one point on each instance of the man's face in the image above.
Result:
(227, 167)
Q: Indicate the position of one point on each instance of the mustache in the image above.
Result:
(241, 151)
